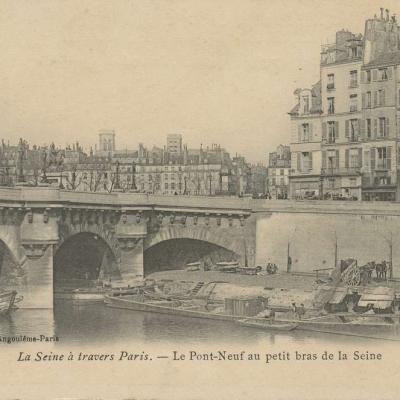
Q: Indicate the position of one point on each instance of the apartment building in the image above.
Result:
(305, 144)
(381, 105)
(341, 145)
(279, 165)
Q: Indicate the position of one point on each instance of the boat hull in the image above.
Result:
(268, 325)
(129, 304)
(8, 299)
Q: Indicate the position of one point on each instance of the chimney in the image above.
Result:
(387, 15)
(381, 12)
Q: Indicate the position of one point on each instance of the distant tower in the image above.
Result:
(107, 141)
(174, 144)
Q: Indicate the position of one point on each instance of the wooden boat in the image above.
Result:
(268, 324)
(175, 307)
(8, 301)
(380, 326)
(90, 294)
(227, 266)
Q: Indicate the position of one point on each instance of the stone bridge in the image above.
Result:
(49, 236)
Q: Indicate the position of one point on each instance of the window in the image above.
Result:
(353, 102)
(331, 183)
(382, 73)
(331, 82)
(354, 52)
(382, 127)
(172, 186)
(282, 172)
(381, 162)
(353, 182)
(331, 132)
(305, 133)
(381, 97)
(354, 159)
(331, 105)
(368, 76)
(333, 159)
(369, 127)
(306, 104)
(353, 130)
(353, 78)
(166, 185)
(368, 100)
(305, 162)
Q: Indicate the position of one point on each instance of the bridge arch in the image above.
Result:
(11, 270)
(83, 258)
(173, 247)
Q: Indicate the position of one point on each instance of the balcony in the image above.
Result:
(353, 108)
(330, 86)
(379, 180)
(350, 171)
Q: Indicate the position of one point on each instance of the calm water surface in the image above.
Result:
(94, 323)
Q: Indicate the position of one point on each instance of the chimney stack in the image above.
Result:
(387, 15)
(381, 12)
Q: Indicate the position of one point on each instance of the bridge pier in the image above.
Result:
(37, 285)
(131, 262)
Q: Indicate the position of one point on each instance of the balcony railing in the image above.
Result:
(353, 108)
(341, 171)
(330, 86)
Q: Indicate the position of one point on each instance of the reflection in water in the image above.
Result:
(94, 323)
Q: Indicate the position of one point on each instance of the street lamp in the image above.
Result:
(133, 184)
(21, 156)
(117, 185)
(210, 177)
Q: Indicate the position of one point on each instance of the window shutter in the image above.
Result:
(310, 127)
(383, 97)
(298, 161)
(363, 101)
(299, 133)
(360, 157)
(361, 126)
(375, 128)
(387, 127)
(347, 123)
(374, 74)
(389, 157)
(375, 98)
(363, 77)
(337, 129)
(389, 73)
(372, 158)
(337, 159)
(324, 131)
(346, 158)
(324, 159)
(311, 166)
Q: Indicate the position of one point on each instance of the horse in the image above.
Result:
(381, 270)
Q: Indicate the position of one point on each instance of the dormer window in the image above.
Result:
(382, 73)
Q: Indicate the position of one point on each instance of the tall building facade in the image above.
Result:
(358, 118)
(279, 166)
(305, 177)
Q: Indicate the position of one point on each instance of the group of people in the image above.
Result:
(298, 311)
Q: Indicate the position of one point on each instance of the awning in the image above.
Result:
(380, 296)
(382, 304)
(338, 296)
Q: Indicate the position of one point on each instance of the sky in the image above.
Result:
(215, 71)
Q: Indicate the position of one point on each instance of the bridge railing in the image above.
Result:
(55, 195)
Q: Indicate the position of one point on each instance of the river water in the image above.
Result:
(88, 323)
